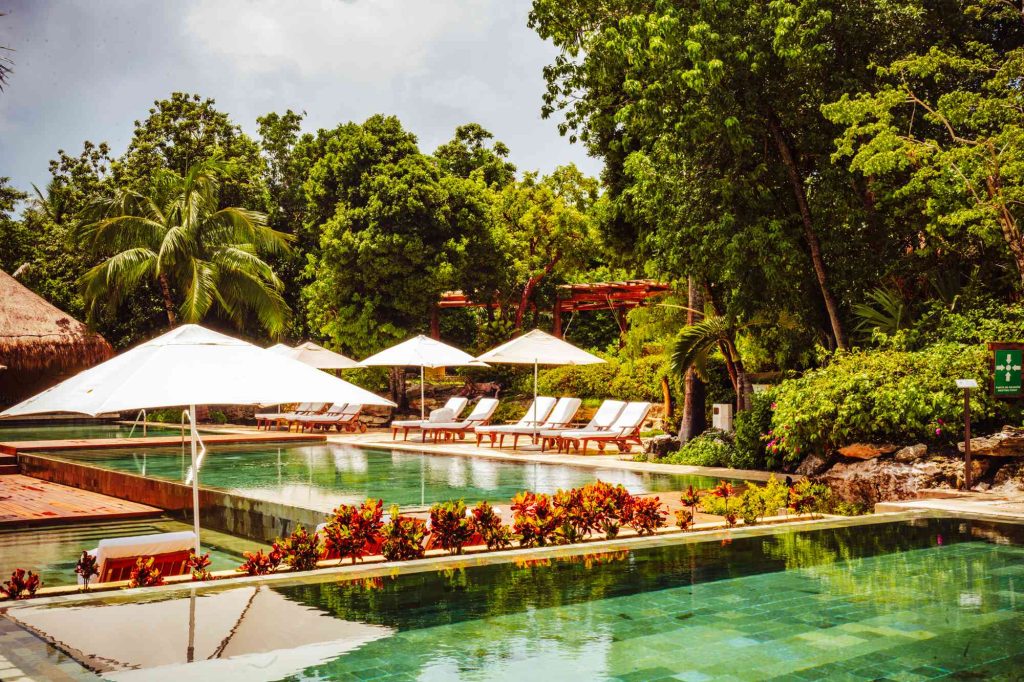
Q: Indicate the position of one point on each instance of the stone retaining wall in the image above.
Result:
(259, 520)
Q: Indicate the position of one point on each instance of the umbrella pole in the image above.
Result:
(422, 396)
(536, 424)
(195, 474)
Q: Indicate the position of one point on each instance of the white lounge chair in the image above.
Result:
(560, 418)
(269, 419)
(622, 433)
(602, 420)
(535, 415)
(344, 417)
(480, 416)
(454, 406)
(116, 557)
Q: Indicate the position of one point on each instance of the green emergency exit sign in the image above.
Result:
(1006, 378)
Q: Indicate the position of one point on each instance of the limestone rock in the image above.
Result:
(1009, 479)
(911, 453)
(1006, 443)
(882, 480)
(866, 450)
(662, 446)
(812, 465)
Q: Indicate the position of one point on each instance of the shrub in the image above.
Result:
(217, 417)
(582, 381)
(684, 518)
(750, 440)
(810, 497)
(612, 503)
(710, 449)
(351, 529)
(646, 515)
(450, 526)
(535, 519)
(717, 502)
(258, 563)
(22, 585)
(87, 568)
(301, 550)
(403, 537)
(881, 396)
(145, 573)
(756, 502)
(198, 566)
(487, 523)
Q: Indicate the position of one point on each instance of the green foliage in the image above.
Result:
(882, 396)
(756, 501)
(750, 438)
(710, 449)
(450, 526)
(616, 378)
(301, 550)
(202, 257)
(403, 537)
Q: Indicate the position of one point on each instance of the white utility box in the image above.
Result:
(721, 417)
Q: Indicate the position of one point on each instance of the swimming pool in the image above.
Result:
(65, 431)
(52, 551)
(320, 476)
(908, 600)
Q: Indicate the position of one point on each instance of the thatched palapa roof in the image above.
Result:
(35, 335)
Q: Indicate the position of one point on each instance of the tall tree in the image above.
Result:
(201, 256)
(471, 151)
(731, 91)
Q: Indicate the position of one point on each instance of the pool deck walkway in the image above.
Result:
(27, 501)
(235, 438)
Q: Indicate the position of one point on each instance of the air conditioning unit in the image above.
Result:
(721, 416)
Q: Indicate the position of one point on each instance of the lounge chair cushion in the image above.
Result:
(442, 414)
(142, 546)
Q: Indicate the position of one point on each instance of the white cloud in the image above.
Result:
(359, 40)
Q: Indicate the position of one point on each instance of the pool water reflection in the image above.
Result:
(901, 601)
(320, 476)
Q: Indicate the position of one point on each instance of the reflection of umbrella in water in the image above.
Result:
(485, 473)
(156, 639)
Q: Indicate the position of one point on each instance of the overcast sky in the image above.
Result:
(87, 70)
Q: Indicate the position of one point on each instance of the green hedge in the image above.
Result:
(877, 396)
(638, 379)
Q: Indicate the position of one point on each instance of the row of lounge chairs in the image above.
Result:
(548, 420)
(313, 416)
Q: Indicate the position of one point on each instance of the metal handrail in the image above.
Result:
(202, 448)
(135, 423)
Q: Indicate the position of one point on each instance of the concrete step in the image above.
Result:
(8, 469)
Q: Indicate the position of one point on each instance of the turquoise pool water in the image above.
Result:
(321, 476)
(40, 431)
(918, 600)
(52, 551)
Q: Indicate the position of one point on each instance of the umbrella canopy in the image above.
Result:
(280, 348)
(538, 348)
(192, 637)
(191, 365)
(541, 348)
(420, 351)
(317, 356)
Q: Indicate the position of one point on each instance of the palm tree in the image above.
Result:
(697, 341)
(176, 235)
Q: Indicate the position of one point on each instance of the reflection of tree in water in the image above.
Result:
(864, 563)
(897, 563)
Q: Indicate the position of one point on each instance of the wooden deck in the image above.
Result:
(14, 447)
(30, 501)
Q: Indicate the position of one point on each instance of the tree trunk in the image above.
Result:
(531, 284)
(396, 384)
(694, 419)
(813, 245)
(745, 389)
(1007, 221)
(165, 293)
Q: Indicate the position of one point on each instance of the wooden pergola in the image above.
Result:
(619, 297)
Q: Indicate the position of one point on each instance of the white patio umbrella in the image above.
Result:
(191, 365)
(538, 348)
(316, 356)
(420, 351)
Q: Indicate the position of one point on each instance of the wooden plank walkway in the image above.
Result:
(28, 501)
(14, 447)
